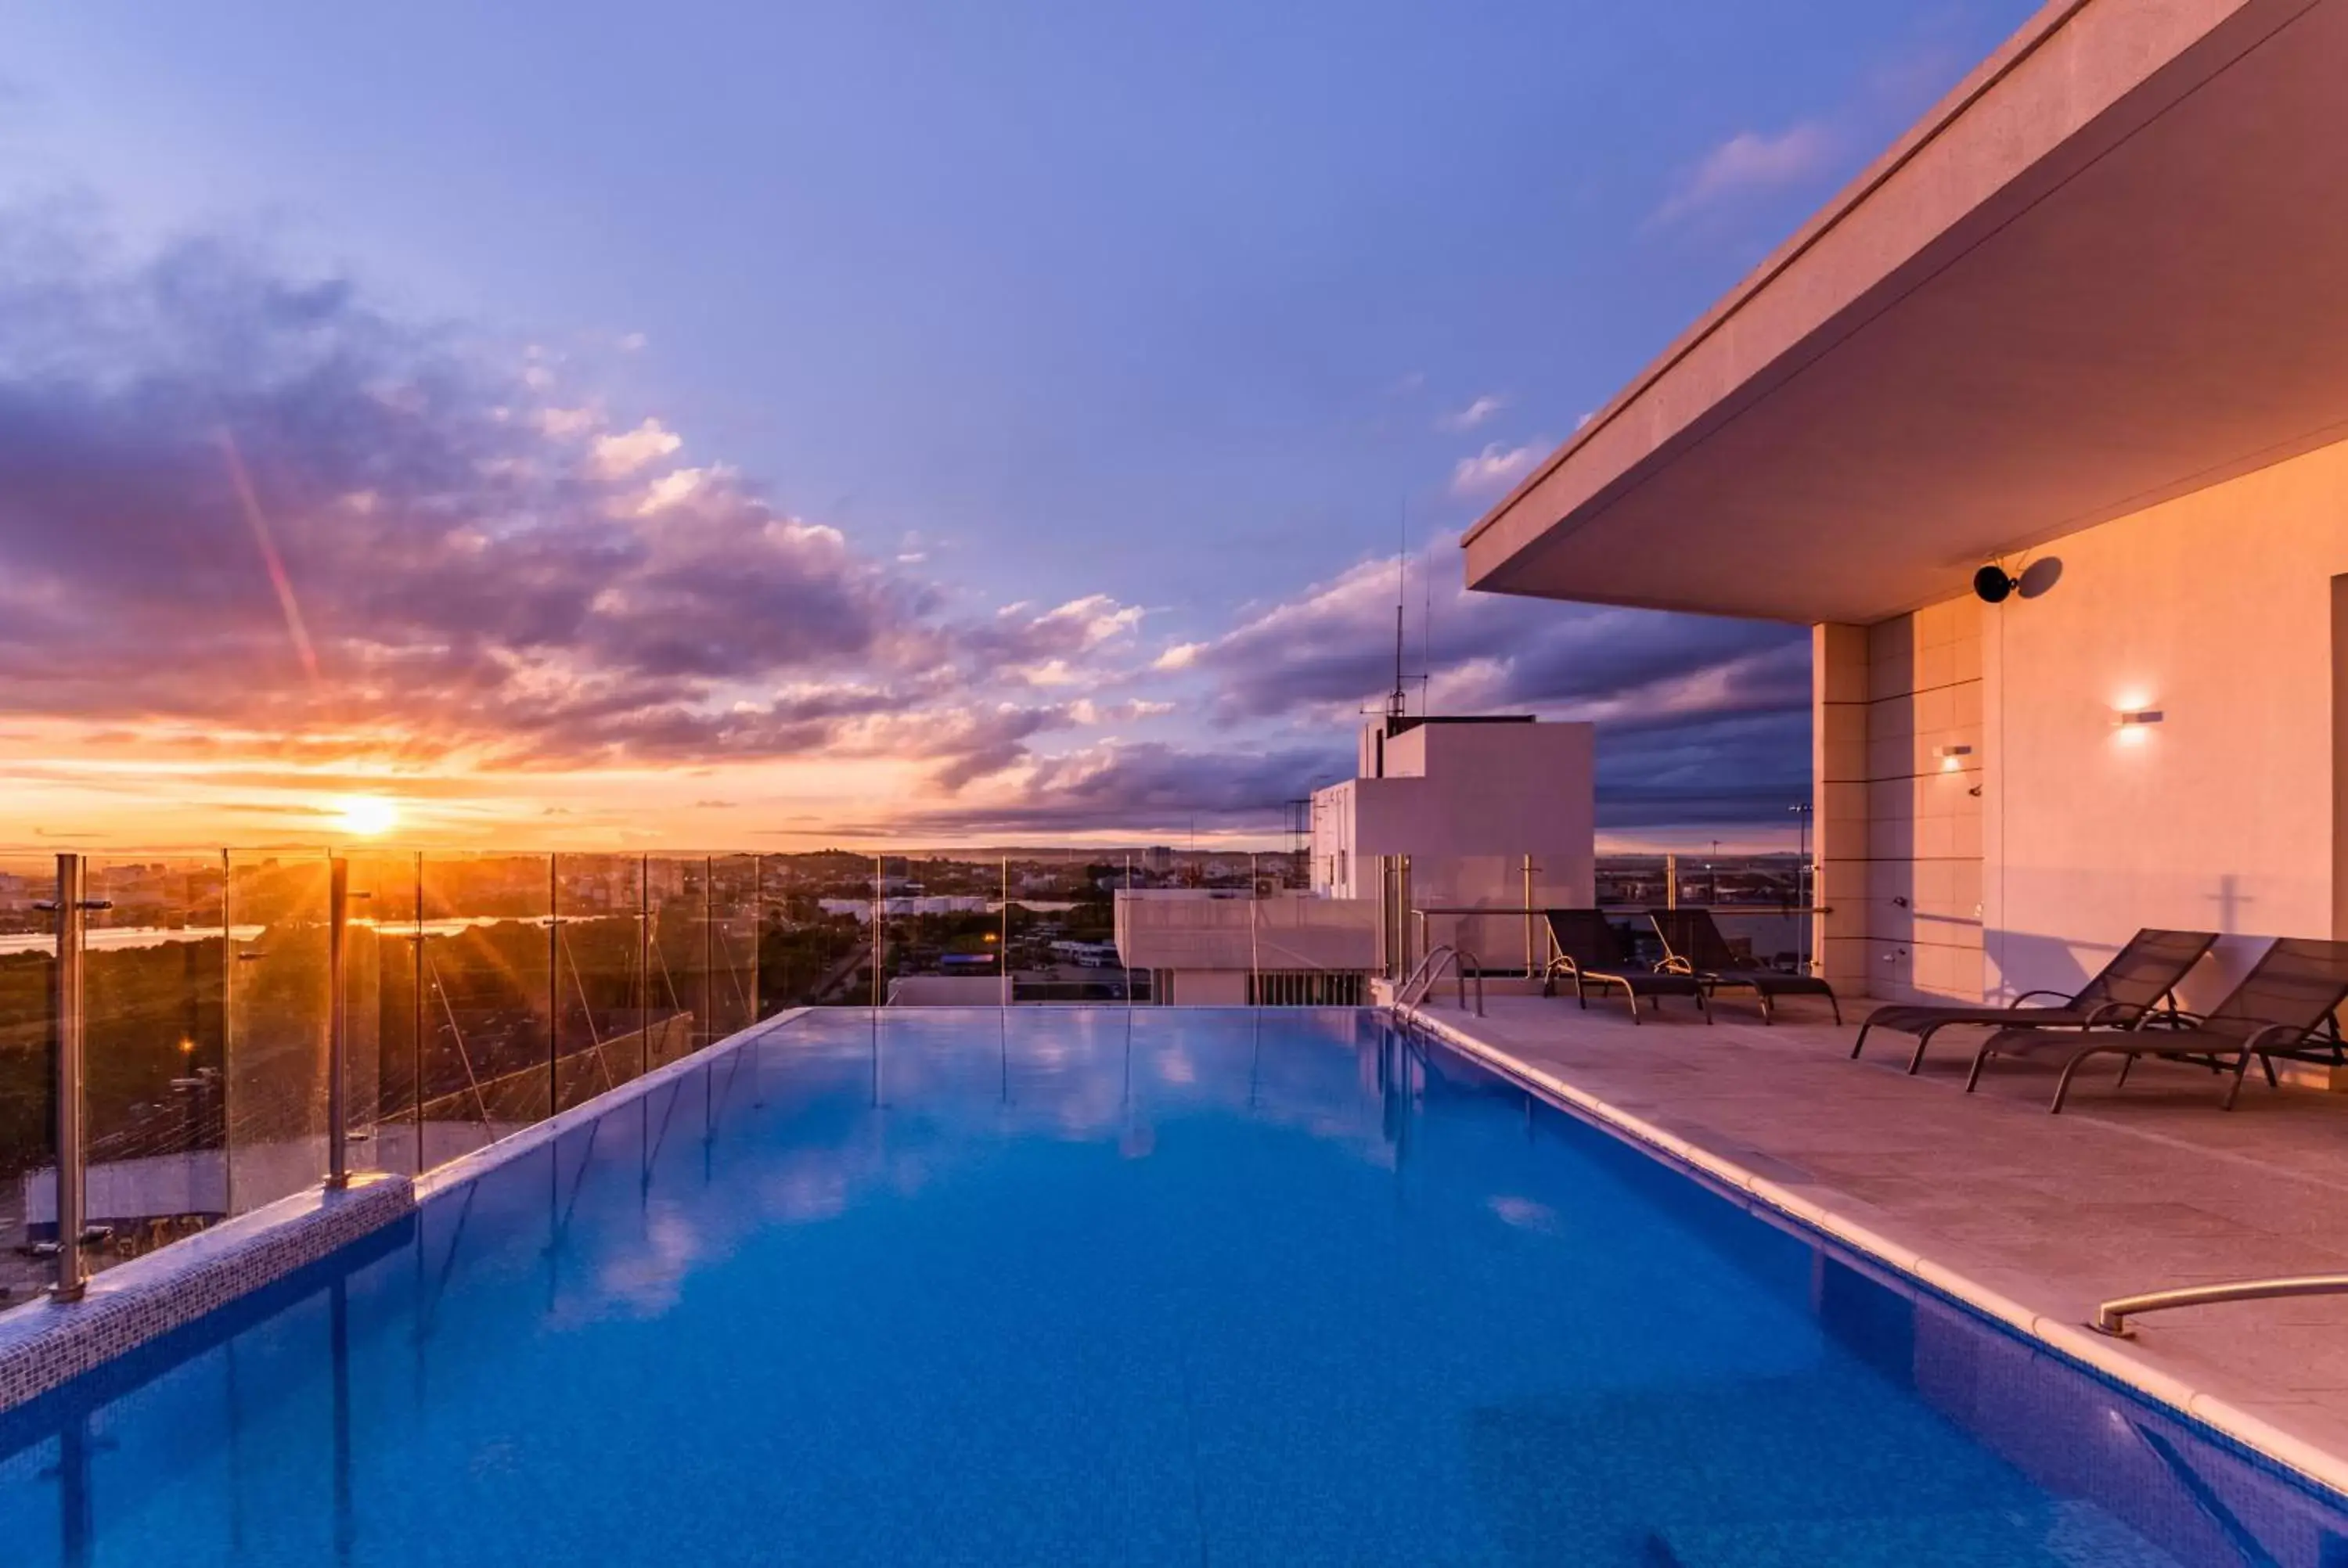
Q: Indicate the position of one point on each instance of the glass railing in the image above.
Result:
(478, 994)
(1490, 907)
(475, 995)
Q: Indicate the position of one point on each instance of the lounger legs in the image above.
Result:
(1923, 1039)
(1835, 1003)
(2063, 1084)
(1860, 1044)
(2242, 1066)
(1979, 1058)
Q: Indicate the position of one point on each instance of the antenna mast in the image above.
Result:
(1397, 702)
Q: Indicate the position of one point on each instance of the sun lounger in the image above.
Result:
(2141, 976)
(1696, 948)
(1585, 947)
(2283, 1006)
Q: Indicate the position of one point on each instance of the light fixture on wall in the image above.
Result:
(1952, 757)
(2133, 722)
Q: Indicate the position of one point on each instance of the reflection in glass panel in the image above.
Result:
(599, 968)
(733, 943)
(384, 1008)
(274, 1082)
(27, 1119)
(677, 1012)
(488, 1024)
(812, 942)
(153, 1046)
(945, 930)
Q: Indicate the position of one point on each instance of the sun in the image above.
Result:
(367, 816)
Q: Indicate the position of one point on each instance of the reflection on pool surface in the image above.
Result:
(1109, 1287)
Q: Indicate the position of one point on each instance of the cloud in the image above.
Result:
(340, 537)
(1751, 164)
(1149, 787)
(1691, 709)
(204, 453)
(1472, 415)
(567, 422)
(1494, 469)
(616, 457)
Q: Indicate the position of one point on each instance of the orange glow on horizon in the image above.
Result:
(367, 816)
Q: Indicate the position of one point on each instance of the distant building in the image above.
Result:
(928, 904)
(1453, 813)
(1157, 859)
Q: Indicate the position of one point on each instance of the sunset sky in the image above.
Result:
(776, 425)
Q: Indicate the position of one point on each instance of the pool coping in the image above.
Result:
(471, 1166)
(2098, 1354)
(46, 1343)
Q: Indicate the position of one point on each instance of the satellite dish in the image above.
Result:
(1991, 585)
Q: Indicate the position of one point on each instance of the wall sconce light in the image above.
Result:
(2139, 716)
(1952, 757)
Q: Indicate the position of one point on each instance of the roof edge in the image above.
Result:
(1983, 80)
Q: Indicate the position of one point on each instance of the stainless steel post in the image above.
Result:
(1671, 881)
(71, 905)
(338, 1032)
(1403, 904)
(644, 965)
(554, 984)
(709, 950)
(1530, 967)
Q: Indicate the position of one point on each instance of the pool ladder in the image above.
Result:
(1421, 981)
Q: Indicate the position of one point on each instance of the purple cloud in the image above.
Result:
(261, 506)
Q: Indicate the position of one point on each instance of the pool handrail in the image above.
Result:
(2111, 1317)
(1421, 981)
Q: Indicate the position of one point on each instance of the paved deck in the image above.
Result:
(2126, 1190)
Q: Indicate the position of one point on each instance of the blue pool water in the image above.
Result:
(1109, 1287)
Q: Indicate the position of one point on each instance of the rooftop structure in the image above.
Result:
(1448, 814)
(2082, 323)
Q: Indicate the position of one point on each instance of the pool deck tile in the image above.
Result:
(1988, 1196)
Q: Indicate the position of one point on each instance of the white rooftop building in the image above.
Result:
(1455, 813)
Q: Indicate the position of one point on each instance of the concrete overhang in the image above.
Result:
(2109, 269)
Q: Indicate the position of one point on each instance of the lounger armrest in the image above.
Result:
(2121, 1015)
(2178, 1018)
(2027, 995)
(1674, 965)
(2276, 1037)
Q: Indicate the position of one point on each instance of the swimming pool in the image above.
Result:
(1150, 1285)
